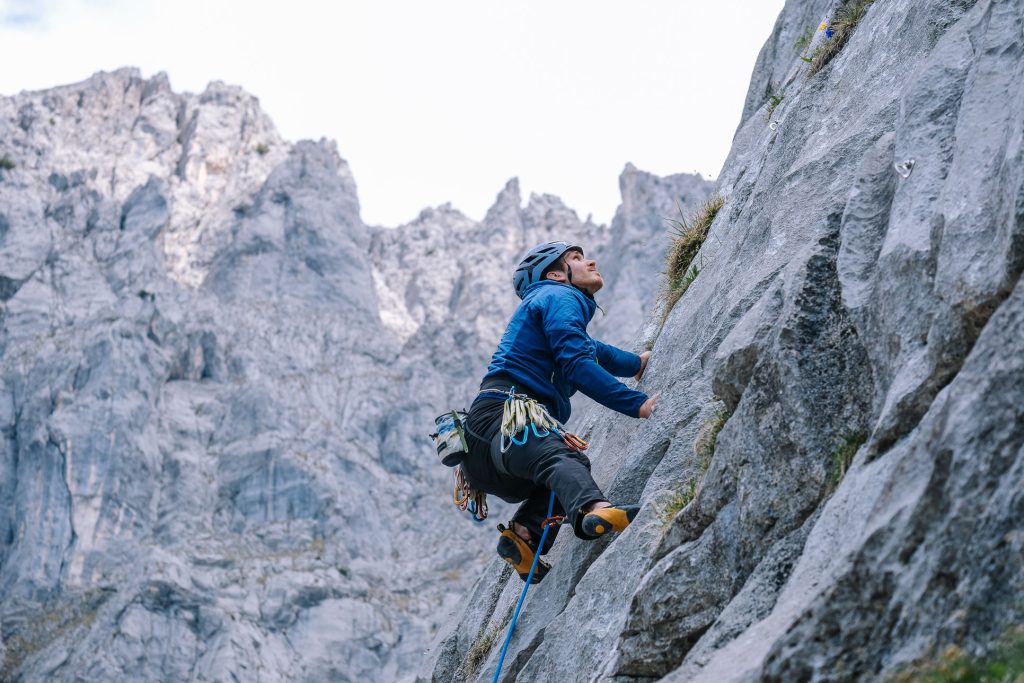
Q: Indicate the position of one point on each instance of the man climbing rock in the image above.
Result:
(543, 358)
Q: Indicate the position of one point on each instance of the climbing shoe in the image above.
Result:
(605, 520)
(519, 553)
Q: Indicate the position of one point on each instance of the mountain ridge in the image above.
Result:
(217, 382)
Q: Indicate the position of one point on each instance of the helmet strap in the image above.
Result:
(568, 277)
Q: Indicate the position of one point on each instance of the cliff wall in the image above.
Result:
(217, 383)
(857, 327)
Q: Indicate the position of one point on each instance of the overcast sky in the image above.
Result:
(435, 101)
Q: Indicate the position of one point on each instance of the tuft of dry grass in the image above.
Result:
(688, 235)
(846, 20)
(680, 499)
(707, 438)
(482, 647)
(704, 449)
(478, 653)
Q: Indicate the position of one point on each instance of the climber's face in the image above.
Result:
(584, 272)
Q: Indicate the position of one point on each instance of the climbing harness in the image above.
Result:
(467, 499)
(548, 523)
(522, 416)
(525, 414)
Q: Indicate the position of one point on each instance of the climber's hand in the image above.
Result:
(643, 365)
(647, 409)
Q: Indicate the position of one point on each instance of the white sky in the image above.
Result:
(434, 101)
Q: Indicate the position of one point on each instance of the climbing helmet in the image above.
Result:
(532, 267)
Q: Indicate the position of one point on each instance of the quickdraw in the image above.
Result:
(468, 500)
(524, 414)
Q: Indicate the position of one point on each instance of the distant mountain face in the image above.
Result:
(217, 381)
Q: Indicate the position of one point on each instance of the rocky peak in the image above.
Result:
(116, 130)
(504, 219)
(216, 386)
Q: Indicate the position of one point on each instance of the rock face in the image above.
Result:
(863, 300)
(216, 385)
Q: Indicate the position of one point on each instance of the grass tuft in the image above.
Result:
(842, 457)
(482, 647)
(805, 39)
(704, 449)
(688, 234)
(478, 653)
(262, 149)
(773, 102)
(1004, 665)
(843, 25)
(680, 499)
(707, 438)
(6, 164)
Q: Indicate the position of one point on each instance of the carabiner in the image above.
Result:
(526, 434)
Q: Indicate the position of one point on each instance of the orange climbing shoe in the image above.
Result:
(519, 553)
(606, 520)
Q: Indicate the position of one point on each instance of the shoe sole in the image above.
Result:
(607, 520)
(510, 551)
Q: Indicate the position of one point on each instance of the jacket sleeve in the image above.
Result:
(616, 361)
(575, 355)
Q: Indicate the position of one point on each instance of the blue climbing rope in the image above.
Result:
(522, 596)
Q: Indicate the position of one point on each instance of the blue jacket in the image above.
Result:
(547, 351)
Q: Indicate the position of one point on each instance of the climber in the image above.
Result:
(547, 355)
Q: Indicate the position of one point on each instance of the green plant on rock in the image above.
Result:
(704, 448)
(773, 102)
(805, 39)
(843, 25)
(688, 235)
(1004, 665)
(842, 457)
(262, 149)
(478, 653)
(680, 499)
(707, 438)
(6, 164)
(690, 275)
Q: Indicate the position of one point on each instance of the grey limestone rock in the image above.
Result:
(217, 381)
(216, 388)
(858, 318)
